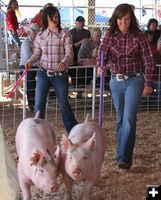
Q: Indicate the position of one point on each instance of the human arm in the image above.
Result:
(105, 48)
(85, 50)
(78, 44)
(147, 90)
(37, 51)
(147, 59)
(26, 51)
(68, 48)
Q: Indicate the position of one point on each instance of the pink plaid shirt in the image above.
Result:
(52, 48)
(127, 54)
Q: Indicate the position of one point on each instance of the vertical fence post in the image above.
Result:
(94, 92)
(101, 90)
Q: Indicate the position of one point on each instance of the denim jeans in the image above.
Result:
(126, 95)
(14, 39)
(60, 85)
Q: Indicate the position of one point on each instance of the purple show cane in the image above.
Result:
(101, 90)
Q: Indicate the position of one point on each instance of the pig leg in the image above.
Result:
(68, 186)
(87, 189)
(26, 193)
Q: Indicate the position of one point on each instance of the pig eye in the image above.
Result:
(85, 157)
(43, 162)
(70, 157)
(52, 161)
(41, 170)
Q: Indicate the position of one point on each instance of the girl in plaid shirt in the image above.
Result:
(54, 50)
(127, 50)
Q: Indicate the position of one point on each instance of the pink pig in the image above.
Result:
(38, 156)
(82, 154)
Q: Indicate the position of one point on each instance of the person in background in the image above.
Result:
(53, 48)
(79, 35)
(130, 57)
(22, 29)
(88, 50)
(155, 98)
(26, 52)
(152, 26)
(38, 17)
(150, 37)
(12, 23)
(87, 54)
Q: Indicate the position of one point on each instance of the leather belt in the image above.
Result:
(121, 77)
(51, 73)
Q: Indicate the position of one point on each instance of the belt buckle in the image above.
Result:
(48, 73)
(51, 73)
(119, 77)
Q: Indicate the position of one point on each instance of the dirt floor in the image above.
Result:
(115, 184)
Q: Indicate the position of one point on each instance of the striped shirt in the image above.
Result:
(127, 54)
(52, 48)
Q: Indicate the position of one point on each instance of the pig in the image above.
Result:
(82, 153)
(38, 154)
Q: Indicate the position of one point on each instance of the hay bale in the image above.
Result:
(9, 185)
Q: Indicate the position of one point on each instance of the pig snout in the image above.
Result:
(77, 173)
(54, 187)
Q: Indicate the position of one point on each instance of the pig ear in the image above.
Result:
(91, 142)
(65, 143)
(37, 155)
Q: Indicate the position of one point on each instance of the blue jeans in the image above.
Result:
(14, 39)
(60, 85)
(126, 95)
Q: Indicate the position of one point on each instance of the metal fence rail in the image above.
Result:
(12, 111)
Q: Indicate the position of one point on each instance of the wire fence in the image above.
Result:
(83, 98)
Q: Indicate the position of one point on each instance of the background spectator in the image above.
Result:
(79, 35)
(22, 28)
(152, 26)
(38, 17)
(87, 54)
(150, 37)
(88, 50)
(12, 23)
(156, 95)
(26, 52)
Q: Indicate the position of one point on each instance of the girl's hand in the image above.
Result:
(61, 67)
(28, 65)
(147, 91)
(100, 70)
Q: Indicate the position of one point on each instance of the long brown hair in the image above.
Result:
(10, 4)
(50, 11)
(120, 11)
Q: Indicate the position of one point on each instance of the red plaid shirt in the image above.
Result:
(127, 54)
